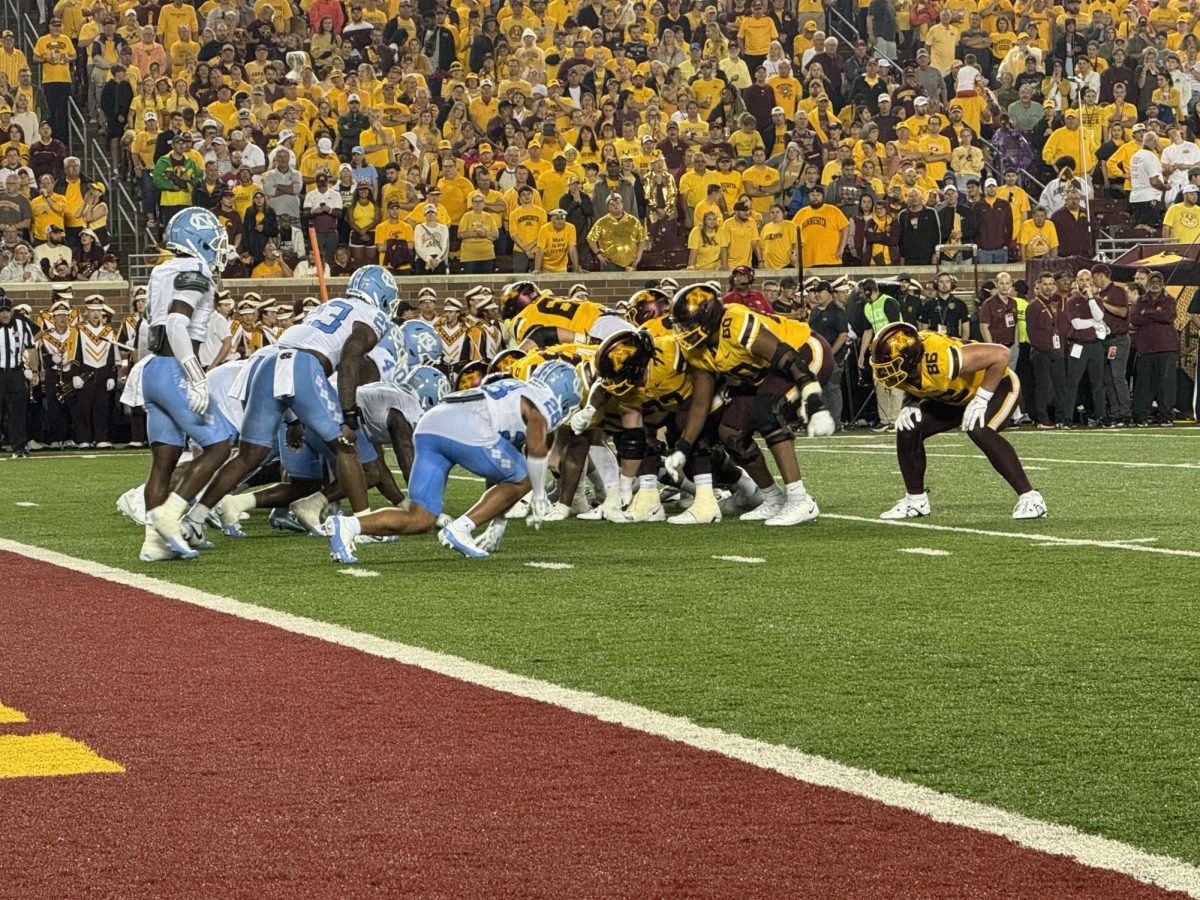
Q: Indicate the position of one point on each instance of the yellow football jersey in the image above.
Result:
(733, 357)
(657, 327)
(940, 372)
(576, 316)
(572, 353)
(668, 383)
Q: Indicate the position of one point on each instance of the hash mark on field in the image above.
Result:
(358, 573)
(1047, 837)
(752, 560)
(549, 565)
(923, 551)
(25, 503)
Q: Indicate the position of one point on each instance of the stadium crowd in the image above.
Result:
(430, 133)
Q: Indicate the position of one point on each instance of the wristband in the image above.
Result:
(684, 447)
(351, 418)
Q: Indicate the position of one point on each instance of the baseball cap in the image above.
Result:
(444, 145)
(991, 182)
(358, 150)
(558, 211)
(1189, 189)
(325, 145)
(778, 109)
(285, 134)
(921, 101)
(6, 303)
(882, 97)
(353, 98)
(1155, 275)
(485, 148)
(430, 207)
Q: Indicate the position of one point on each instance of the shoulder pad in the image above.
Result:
(192, 280)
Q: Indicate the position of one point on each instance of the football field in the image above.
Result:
(1046, 668)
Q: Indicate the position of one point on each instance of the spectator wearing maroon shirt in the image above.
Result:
(1075, 237)
(993, 225)
(740, 282)
(1045, 321)
(1115, 302)
(1085, 352)
(1157, 344)
(998, 317)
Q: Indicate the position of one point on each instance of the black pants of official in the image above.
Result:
(1091, 361)
(14, 406)
(1154, 379)
(1050, 387)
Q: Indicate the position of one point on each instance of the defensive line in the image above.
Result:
(1047, 837)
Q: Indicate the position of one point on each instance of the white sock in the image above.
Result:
(240, 503)
(606, 465)
(174, 506)
(771, 491)
(796, 489)
(197, 514)
(628, 484)
(647, 482)
(924, 495)
(745, 486)
(463, 523)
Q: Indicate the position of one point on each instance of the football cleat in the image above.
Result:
(610, 509)
(646, 506)
(558, 512)
(1030, 506)
(154, 548)
(770, 506)
(285, 520)
(462, 542)
(908, 507)
(520, 509)
(580, 504)
(704, 511)
(195, 536)
(132, 503)
(308, 510)
(489, 541)
(798, 509)
(229, 511)
(443, 520)
(734, 503)
(378, 538)
(170, 529)
(341, 539)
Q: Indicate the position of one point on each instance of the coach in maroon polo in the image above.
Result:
(1075, 237)
(1157, 344)
(1046, 323)
(1114, 300)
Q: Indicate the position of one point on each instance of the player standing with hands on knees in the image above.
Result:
(950, 383)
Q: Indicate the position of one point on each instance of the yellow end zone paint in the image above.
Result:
(42, 755)
(10, 716)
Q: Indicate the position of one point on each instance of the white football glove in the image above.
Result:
(975, 415)
(110, 384)
(581, 420)
(821, 424)
(539, 510)
(197, 396)
(909, 418)
(674, 463)
(77, 383)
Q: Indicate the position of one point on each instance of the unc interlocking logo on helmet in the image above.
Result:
(197, 232)
(428, 384)
(420, 344)
(374, 284)
(562, 380)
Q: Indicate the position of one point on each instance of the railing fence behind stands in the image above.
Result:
(1109, 248)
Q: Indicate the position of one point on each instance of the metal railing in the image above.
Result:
(1110, 248)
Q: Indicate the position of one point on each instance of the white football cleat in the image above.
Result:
(489, 541)
(229, 510)
(341, 539)
(802, 508)
(580, 504)
(704, 511)
(733, 503)
(195, 536)
(170, 529)
(610, 509)
(646, 506)
(154, 548)
(765, 510)
(285, 520)
(520, 509)
(132, 503)
(1030, 506)
(558, 513)
(308, 510)
(461, 541)
(443, 520)
(910, 506)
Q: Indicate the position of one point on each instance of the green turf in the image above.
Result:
(1057, 681)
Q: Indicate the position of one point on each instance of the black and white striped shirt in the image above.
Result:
(15, 338)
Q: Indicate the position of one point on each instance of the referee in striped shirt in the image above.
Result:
(16, 376)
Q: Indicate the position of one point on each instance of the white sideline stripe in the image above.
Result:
(549, 565)
(358, 573)
(923, 551)
(1135, 544)
(752, 560)
(1046, 837)
(1071, 462)
(25, 503)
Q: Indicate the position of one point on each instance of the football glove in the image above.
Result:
(975, 415)
(909, 418)
(110, 384)
(540, 509)
(197, 396)
(77, 383)
(581, 420)
(821, 424)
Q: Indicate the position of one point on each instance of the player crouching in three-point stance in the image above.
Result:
(950, 383)
(481, 429)
(180, 301)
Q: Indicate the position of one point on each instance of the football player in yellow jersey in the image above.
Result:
(772, 366)
(648, 309)
(541, 322)
(950, 383)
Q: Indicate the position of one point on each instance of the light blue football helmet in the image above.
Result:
(375, 285)
(428, 384)
(197, 232)
(562, 380)
(419, 345)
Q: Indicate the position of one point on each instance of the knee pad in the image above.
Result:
(779, 436)
(631, 443)
(741, 447)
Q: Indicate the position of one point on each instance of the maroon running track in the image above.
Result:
(263, 763)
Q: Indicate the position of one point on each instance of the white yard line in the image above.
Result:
(1047, 837)
(358, 573)
(24, 503)
(1125, 464)
(555, 566)
(1135, 544)
(751, 560)
(923, 551)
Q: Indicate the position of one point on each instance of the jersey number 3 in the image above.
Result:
(331, 317)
